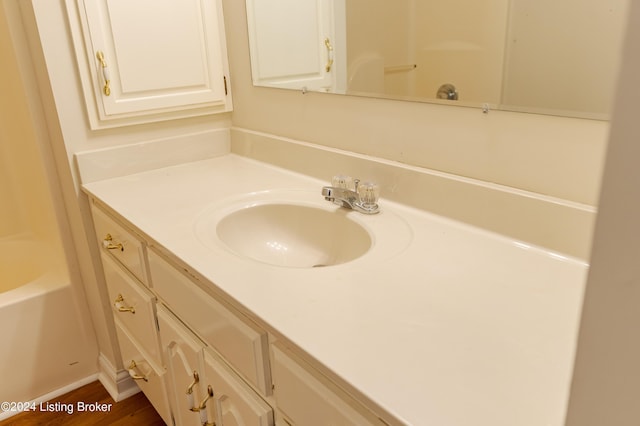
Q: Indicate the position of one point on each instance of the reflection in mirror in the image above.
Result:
(546, 56)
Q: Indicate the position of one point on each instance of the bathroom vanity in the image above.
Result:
(433, 322)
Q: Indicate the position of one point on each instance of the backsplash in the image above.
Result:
(549, 222)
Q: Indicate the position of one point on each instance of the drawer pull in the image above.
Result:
(329, 47)
(134, 374)
(196, 379)
(203, 404)
(105, 73)
(121, 307)
(108, 243)
(204, 420)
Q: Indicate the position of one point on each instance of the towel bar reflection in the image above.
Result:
(400, 68)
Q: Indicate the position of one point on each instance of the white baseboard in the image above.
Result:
(118, 383)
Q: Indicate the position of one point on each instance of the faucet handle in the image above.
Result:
(342, 182)
(368, 192)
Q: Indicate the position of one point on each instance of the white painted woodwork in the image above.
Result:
(154, 387)
(141, 323)
(159, 57)
(236, 404)
(178, 329)
(287, 43)
(244, 345)
(183, 352)
(130, 255)
(305, 399)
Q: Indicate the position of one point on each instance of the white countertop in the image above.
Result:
(458, 327)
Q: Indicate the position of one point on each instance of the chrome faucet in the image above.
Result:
(349, 193)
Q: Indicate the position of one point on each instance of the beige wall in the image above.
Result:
(556, 156)
(25, 204)
(543, 53)
(606, 381)
(522, 53)
(446, 40)
(10, 212)
(378, 34)
(462, 43)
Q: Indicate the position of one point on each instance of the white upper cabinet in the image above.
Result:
(292, 43)
(144, 60)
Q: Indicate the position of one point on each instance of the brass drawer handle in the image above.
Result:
(203, 404)
(108, 243)
(105, 73)
(134, 374)
(329, 47)
(196, 380)
(121, 307)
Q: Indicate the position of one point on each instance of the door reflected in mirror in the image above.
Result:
(555, 57)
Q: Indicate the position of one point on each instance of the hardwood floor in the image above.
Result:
(135, 410)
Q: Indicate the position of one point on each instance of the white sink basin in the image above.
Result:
(293, 235)
(298, 229)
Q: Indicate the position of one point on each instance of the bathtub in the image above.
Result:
(41, 353)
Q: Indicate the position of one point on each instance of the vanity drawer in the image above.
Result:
(134, 306)
(307, 399)
(240, 342)
(236, 402)
(120, 243)
(140, 369)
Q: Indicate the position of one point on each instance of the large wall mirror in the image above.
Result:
(555, 57)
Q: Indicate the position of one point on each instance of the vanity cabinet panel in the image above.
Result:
(149, 379)
(307, 399)
(134, 306)
(171, 331)
(184, 362)
(140, 58)
(243, 344)
(236, 404)
(116, 240)
(232, 402)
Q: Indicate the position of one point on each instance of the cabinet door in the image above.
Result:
(146, 56)
(279, 59)
(235, 403)
(150, 380)
(241, 343)
(308, 399)
(183, 353)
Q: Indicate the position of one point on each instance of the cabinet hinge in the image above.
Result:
(226, 92)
